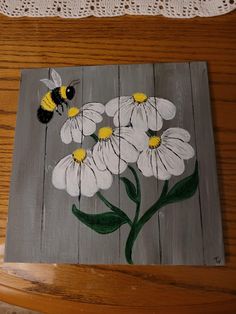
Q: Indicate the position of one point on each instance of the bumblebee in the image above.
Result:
(55, 98)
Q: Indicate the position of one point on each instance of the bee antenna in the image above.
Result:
(74, 82)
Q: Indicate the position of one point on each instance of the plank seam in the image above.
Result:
(42, 223)
(196, 148)
(119, 190)
(158, 214)
(79, 197)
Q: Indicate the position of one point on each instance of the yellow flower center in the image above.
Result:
(104, 133)
(79, 155)
(154, 141)
(140, 97)
(72, 112)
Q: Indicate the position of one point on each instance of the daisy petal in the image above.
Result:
(166, 108)
(182, 149)
(173, 164)
(179, 133)
(95, 106)
(135, 137)
(122, 116)
(98, 157)
(73, 179)
(76, 131)
(144, 163)
(59, 172)
(104, 178)
(114, 104)
(154, 164)
(127, 151)
(92, 115)
(154, 119)
(162, 174)
(115, 164)
(139, 118)
(66, 136)
(89, 127)
(88, 181)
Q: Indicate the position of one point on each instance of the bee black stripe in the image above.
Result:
(56, 96)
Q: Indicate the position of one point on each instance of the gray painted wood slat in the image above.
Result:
(59, 229)
(140, 78)
(180, 223)
(209, 192)
(24, 218)
(100, 84)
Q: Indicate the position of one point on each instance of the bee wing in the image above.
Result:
(50, 84)
(56, 78)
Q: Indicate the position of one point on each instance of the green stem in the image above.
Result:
(94, 136)
(151, 133)
(136, 228)
(130, 241)
(138, 190)
(115, 209)
(129, 244)
(137, 225)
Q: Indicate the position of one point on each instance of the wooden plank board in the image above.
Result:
(187, 232)
(100, 84)
(59, 228)
(140, 78)
(26, 197)
(209, 192)
(181, 231)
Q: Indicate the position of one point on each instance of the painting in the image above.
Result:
(115, 165)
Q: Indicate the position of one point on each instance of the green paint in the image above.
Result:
(95, 137)
(138, 189)
(101, 223)
(185, 188)
(151, 133)
(130, 189)
(128, 251)
(115, 209)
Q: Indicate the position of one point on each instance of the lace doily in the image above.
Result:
(102, 8)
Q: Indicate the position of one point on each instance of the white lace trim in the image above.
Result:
(101, 8)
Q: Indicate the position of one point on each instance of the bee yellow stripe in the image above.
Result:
(63, 92)
(47, 103)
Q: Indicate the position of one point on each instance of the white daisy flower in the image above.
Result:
(166, 154)
(81, 122)
(78, 174)
(141, 111)
(118, 147)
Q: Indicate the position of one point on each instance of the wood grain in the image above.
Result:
(53, 42)
(29, 163)
(94, 81)
(135, 78)
(209, 213)
(180, 224)
(59, 232)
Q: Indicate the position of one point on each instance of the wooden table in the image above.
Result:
(55, 42)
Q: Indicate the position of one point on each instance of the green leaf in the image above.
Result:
(101, 223)
(130, 189)
(115, 209)
(138, 189)
(183, 189)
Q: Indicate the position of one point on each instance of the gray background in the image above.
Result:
(41, 226)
